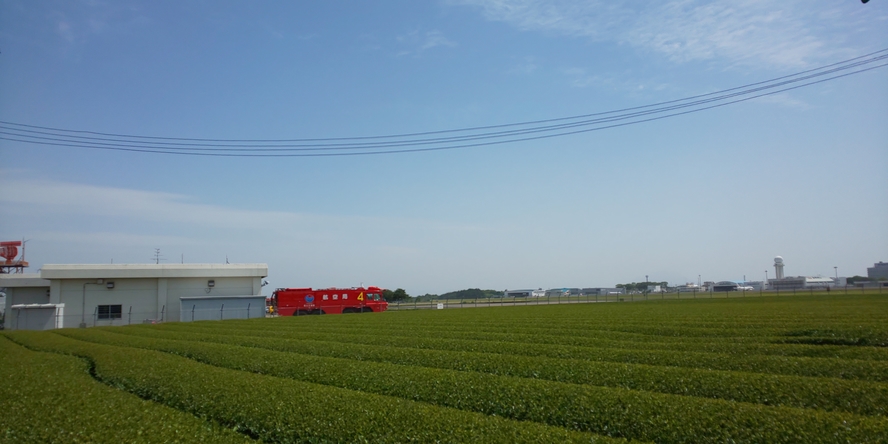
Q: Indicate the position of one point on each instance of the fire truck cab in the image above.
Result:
(306, 301)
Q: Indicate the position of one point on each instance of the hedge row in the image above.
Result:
(283, 410)
(831, 394)
(606, 411)
(795, 366)
(47, 397)
(782, 341)
(848, 318)
(791, 346)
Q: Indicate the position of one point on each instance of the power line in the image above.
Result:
(427, 141)
(417, 142)
(458, 129)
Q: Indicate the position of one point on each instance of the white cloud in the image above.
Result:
(785, 100)
(68, 198)
(749, 32)
(78, 22)
(65, 31)
(415, 42)
(75, 212)
(434, 39)
(580, 78)
(111, 238)
(526, 67)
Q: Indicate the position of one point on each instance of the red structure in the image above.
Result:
(8, 251)
(305, 301)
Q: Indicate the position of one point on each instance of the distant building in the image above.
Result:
(801, 283)
(524, 293)
(819, 282)
(688, 288)
(756, 285)
(725, 286)
(588, 291)
(787, 283)
(878, 271)
(601, 291)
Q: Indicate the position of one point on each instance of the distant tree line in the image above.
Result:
(394, 296)
(642, 286)
(469, 293)
(852, 280)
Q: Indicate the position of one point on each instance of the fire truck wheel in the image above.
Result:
(366, 310)
(300, 313)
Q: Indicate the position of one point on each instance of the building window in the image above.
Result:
(110, 311)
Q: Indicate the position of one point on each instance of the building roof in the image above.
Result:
(19, 280)
(135, 271)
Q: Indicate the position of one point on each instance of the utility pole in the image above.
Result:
(157, 256)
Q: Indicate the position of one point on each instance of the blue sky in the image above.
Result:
(719, 193)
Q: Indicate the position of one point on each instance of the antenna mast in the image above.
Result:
(157, 257)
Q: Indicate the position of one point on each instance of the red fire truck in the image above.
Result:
(306, 301)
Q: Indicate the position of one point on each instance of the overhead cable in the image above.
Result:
(437, 140)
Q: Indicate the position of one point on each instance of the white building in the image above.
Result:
(63, 296)
(819, 282)
(690, 287)
(801, 283)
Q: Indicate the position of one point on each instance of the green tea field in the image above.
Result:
(787, 369)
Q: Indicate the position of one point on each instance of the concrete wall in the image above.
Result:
(27, 295)
(138, 295)
(195, 287)
(141, 299)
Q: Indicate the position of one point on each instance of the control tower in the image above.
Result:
(778, 267)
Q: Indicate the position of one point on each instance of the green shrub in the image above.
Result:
(832, 394)
(871, 370)
(607, 411)
(284, 410)
(47, 397)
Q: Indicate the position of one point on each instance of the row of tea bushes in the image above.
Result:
(47, 397)
(831, 394)
(772, 345)
(616, 412)
(284, 410)
(872, 370)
